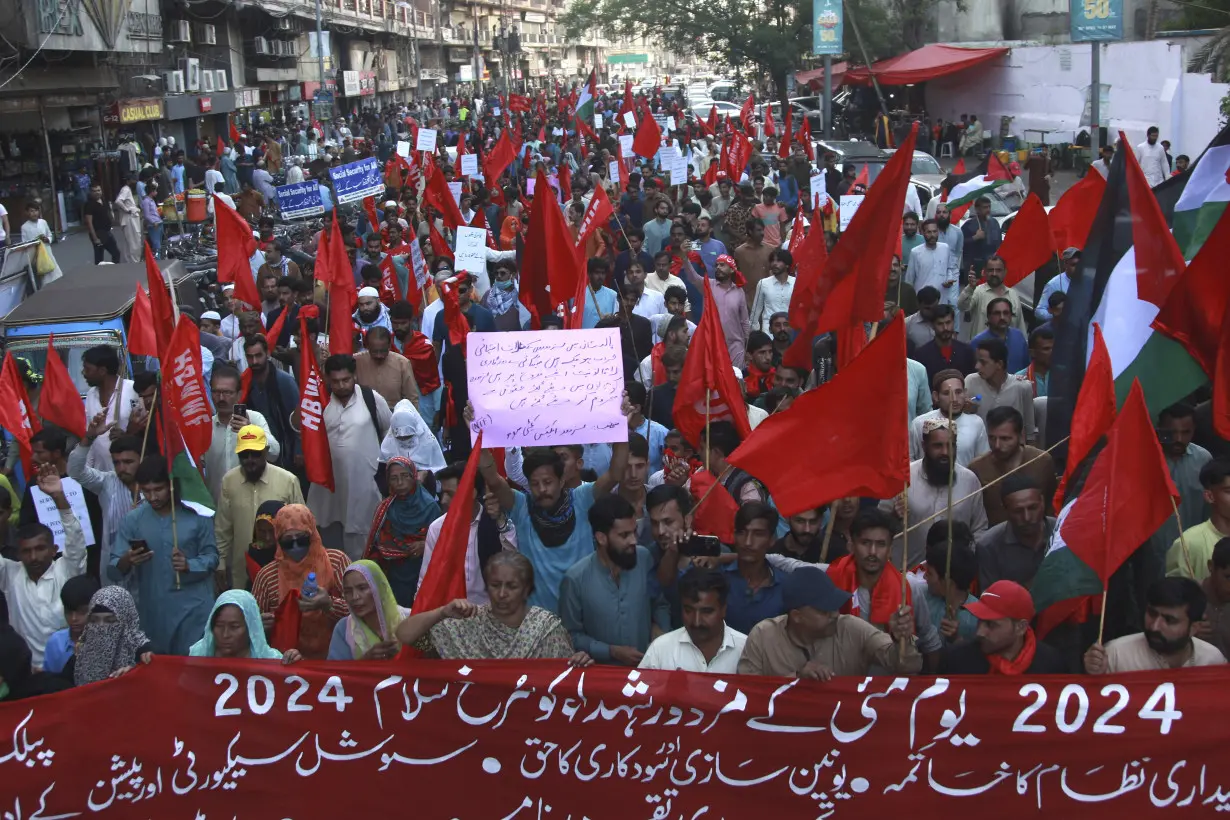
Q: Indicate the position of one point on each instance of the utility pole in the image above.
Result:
(828, 97)
(1095, 99)
(320, 65)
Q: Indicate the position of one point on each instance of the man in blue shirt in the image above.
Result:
(599, 299)
(755, 586)
(708, 247)
(635, 253)
(632, 203)
(552, 521)
(658, 229)
(654, 433)
(999, 319)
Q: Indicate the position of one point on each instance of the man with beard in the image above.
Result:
(918, 328)
(116, 489)
(657, 230)
(552, 521)
(705, 643)
(945, 351)
(901, 296)
(975, 299)
(388, 373)
(805, 537)
(932, 265)
(274, 395)
(417, 347)
(732, 305)
(100, 368)
(779, 331)
(982, 236)
(1013, 549)
(752, 257)
(1008, 451)
(999, 327)
(226, 385)
(1004, 643)
(1174, 608)
(928, 492)
(910, 238)
(950, 234)
(607, 600)
(948, 395)
(371, 311)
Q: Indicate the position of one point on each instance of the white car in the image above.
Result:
(701, 109)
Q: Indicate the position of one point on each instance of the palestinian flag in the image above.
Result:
(1130, 262)
(1065, 588)
(964, 188)
(587, 98)
(1204, 190)
(189, 484)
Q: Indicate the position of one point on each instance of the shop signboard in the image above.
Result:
(367, 83)
(1096, 20)
(350, 83)
(140, 110)
(300, 199)
(357, 180)
(826, 27)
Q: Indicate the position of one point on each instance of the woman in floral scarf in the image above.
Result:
(112, 642)
(399, 529)
(367, 634)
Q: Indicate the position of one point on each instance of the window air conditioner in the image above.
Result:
(174, 81)
(220, 82)
(191, 68)
(181, 31)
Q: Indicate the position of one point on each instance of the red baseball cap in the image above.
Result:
(1003, 599)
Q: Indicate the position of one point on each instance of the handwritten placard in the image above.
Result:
(471, 251)
(426, 140)
(49, 516)
(454, 188)
(625, 145)
(419, 264)
(819, 195)
(612, 170)
(849, 207)
(670, 123)
(403, 148)
(679, 169)
(546, 387)
(598, 124)
(630, 119)
(469, 165)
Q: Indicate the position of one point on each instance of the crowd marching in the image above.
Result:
(337, 468)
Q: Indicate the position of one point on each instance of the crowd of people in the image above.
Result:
(588, 553)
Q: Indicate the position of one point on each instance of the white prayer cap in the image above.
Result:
(369, 291)
(211, 315)
(228, 288)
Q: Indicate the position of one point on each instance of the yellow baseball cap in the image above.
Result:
(251, 437)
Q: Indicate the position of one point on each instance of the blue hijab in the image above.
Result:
(258, 647)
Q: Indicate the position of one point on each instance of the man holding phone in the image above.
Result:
(226, 387)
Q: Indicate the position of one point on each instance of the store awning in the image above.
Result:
(926, 63)
(815, 77)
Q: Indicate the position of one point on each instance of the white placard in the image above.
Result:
(598, 125)
(816, 184)
(469, 165)
(630, 119)
(49, 516)
(544, 388)
(670, 123)
(557, 132)
(471, 251)
(612, 171)
(454, 188)
(426, 140)
(419, 264)
(403, 148)
(679, 169)
(849, 206)
(625, 145)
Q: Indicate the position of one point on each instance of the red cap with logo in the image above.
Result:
(1003, 599)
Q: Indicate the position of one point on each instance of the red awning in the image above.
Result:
(815, 77)
(926, 63)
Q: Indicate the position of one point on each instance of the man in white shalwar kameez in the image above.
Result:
(100, 368)
(932, 264)
(354, 444)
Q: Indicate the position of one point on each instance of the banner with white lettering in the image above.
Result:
(514, 739)
(357, 180)
(300, 199)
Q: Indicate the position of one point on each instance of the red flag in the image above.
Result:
(711, 174)
(235, 248)
(648, 138)
(959, 168)
(1094, 412)
(1159, 262)
(746, 113)
(1127, 495)
(390, 287)
(15, 415)
(736, 152)
(343, 297)
(712, 125)
(1028, 245)
(317, 460)
(798, 231)
(275, 330)
(865, 453)
(445, 577)
(597, 214)
(183, 384)
(629, 102)
(851, 288)
(864, 177)
(341, 323)
(549, 257)
(809, 262)
(707, 370)
(141, 339)
(59, 401)
(1073, 214)
(461, 152)
(1195, 315)
(803, 137)
(219, 150)
(783, 150)
(287, 618)
(438, 245)
(437, 195)
(770, 129)
(162, 309)
(369, 208)
(516, 102)
(851, 340)
(565, 183)
(235, 135)
(714, 513)
(454, 319)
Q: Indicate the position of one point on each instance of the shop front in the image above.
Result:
(193, 118)
(358, 91)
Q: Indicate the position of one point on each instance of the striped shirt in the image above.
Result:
(114, 497)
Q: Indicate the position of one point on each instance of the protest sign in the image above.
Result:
(679, 169)
(612, 170)
(818, 193)
(542, 388)
(625, 145)
(630, 119)
(403, 148)
(849, 206)
(504, 739)
(530, 184)
(471, 251)
(300, 199)
(469, 165)
(670, 123)
(49, 516)
(426, 140)
(557, 132)
(357, 180)
(598, 126)
(454, 188)
(419, 265)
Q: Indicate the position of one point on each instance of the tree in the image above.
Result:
(1214, 56)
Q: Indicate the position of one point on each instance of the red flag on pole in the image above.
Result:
(648, 138)
(141, 339)
(184, 393)
(1127, 495)
(770, 129)
(803, 137)
(454, 319)
(959, 168)
(438, 245)
(597, 214)
(549, 257)
(712, 125)
(317, 460)
(343, 297)
(15, 415)
(714, 513)
(235, 248)
(708, 370)
(1094, 412)
(745, 114)
(517, 102)
(565, 183)
(1028, 244)
(1073, 214)
(1159, 262)
(783, 150)
(235, 135)
(629, 102)
(437, 195)
(865, 453)
(59, 401)
(445, 577)
(162, 309)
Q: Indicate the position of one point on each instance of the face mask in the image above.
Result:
(504, 285)
(296, 549)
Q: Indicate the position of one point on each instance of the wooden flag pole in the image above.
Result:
(149, 418)
(828, 533)
(952, 472)
(1187, 556)
(905, 552)
(1102, 617)
(708, 394)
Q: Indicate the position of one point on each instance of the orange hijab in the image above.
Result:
(508, 233)
(291, 574)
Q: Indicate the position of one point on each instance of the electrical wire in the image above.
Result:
(41, 45)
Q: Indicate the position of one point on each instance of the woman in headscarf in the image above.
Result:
(399, 529)
(502, 299)
(235, 631)
(367, 634)
(506, 628)
(509, 231)
(128, 220)
(409, 437)
(300, 554)
(230, 171)
(112, 642)
(264, 546)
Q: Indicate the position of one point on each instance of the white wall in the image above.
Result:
(1045, 87)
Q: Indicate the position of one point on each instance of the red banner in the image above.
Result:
(191, 738)
(184, 388)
